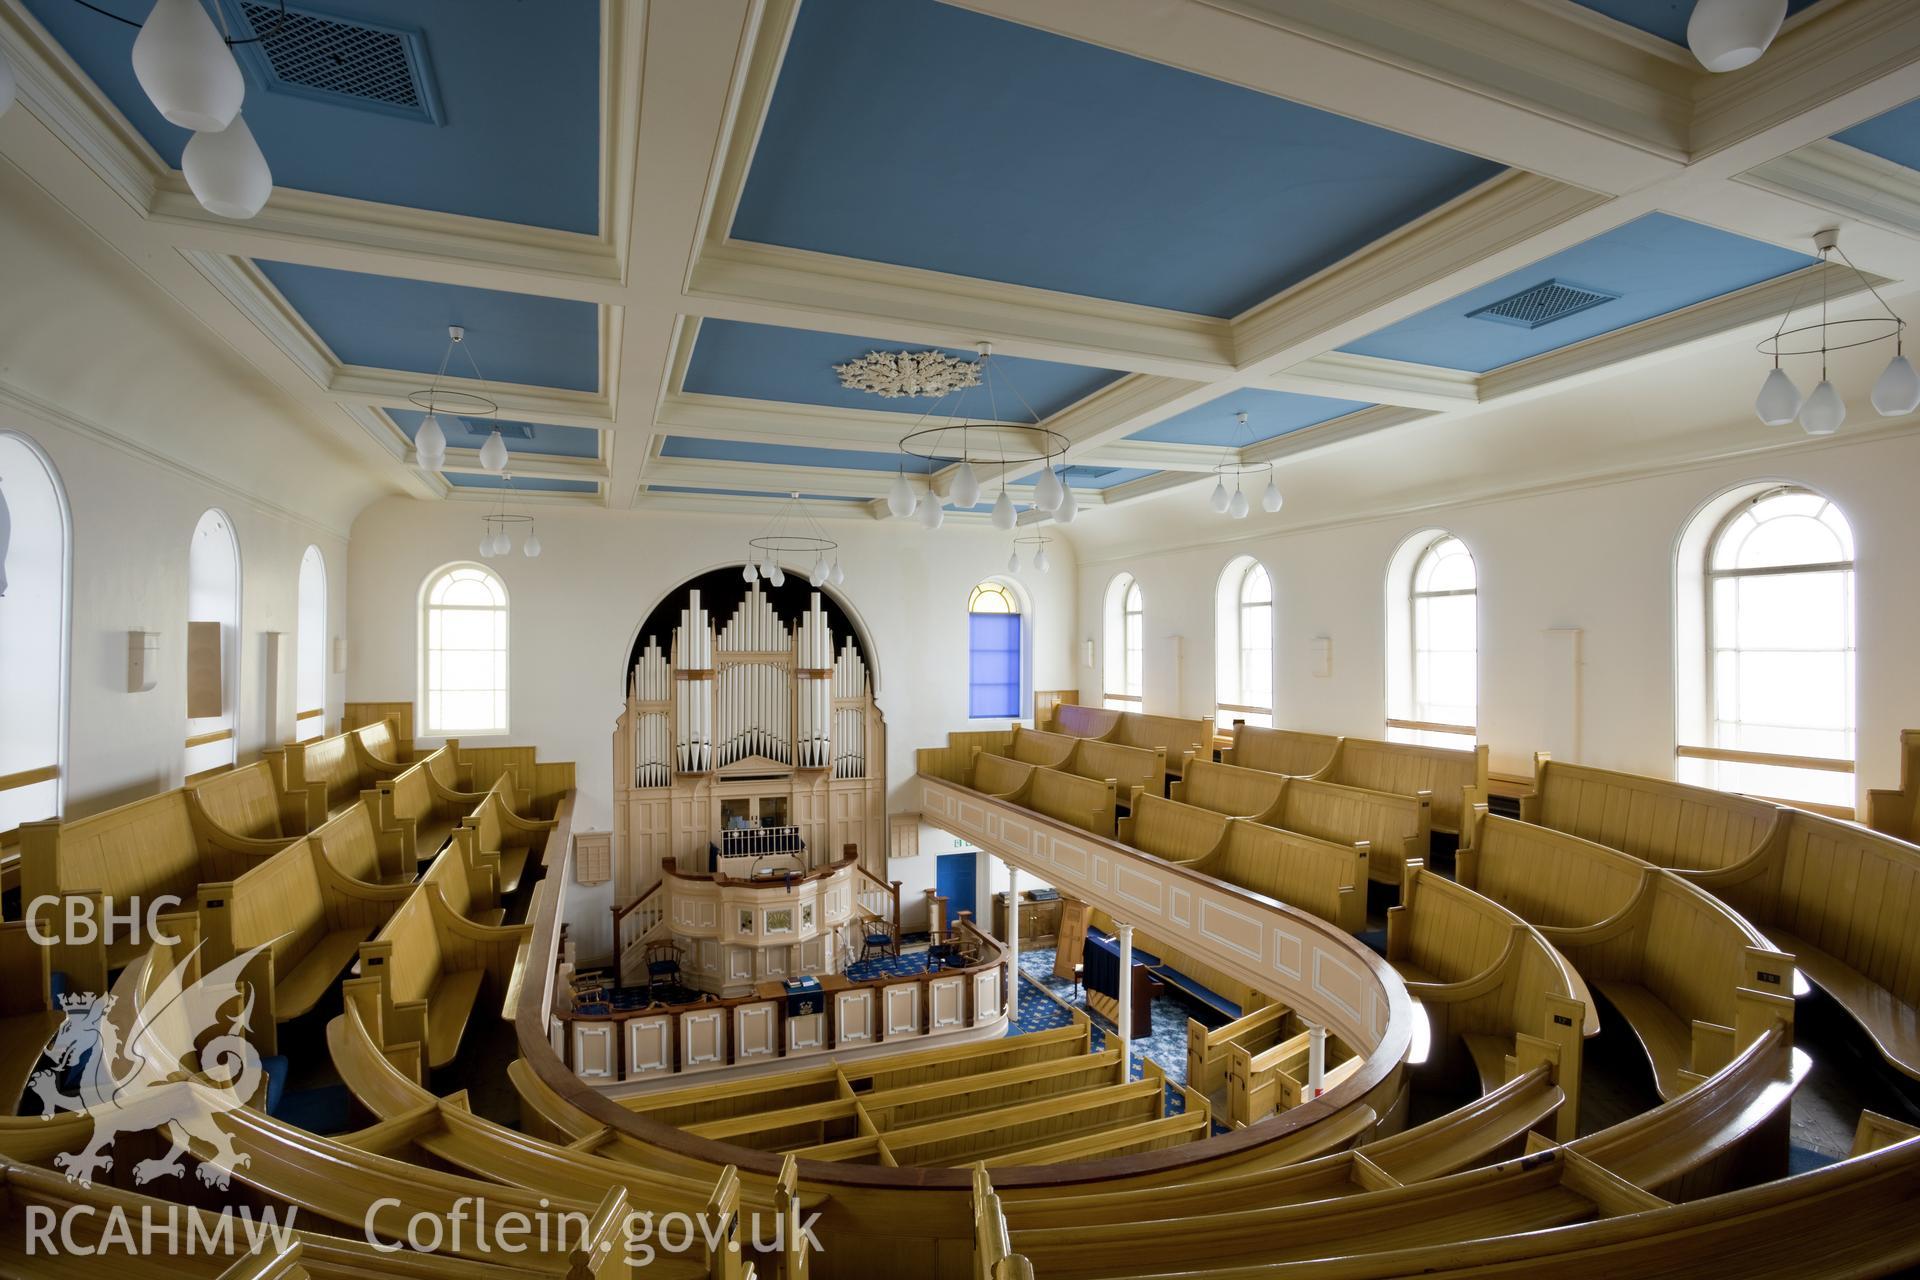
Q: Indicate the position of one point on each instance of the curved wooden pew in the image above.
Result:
(1897, 813)
(1395, 828)
(1456, 779)
(1668, 957)
(1841, 899)
(1286, 751)
(421, 796)
(358, 851)
(1132, 770)
(1320, 876)
(1177, 832)
(1489, 979)
(1669, 824)
(1034, 746)
(332, 772)
(309, 918)
(1083, 722)
(494, 828)
(250, 803)
(1087, 803)
(999, 776)
(138, 853)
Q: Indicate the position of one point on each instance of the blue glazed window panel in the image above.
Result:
(993, 684)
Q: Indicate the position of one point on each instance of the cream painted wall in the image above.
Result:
(575, 611)
(1599, 558)
(132, 524)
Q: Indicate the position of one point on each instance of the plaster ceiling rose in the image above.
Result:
(908, 373)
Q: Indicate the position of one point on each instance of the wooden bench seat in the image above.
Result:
(1132, 770)
(147, 850)
(996, 775)
(1229, 789)
(431, 965)
(1180, 740)
(27, 1016)
(1395, 826)
(1841, 898)
(1669, 824)
(1030, 746)
(1174, 831)
(251, 803)
(359, 852)
(1456, 780)
(1086, 803)
(1670, 958)
(515, 840)
(1325, 878)
(420, 796)
(1082, 722)
(1283, 751)
(332, 772)
(307, 917)
(1897, 812)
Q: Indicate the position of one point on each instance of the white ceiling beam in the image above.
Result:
(531, 466)
(1376, 381)
(1846, 181)
(771, 479)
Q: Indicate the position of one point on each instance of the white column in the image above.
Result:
(1013, 941)
(1124, 1022)
(1316, 1060)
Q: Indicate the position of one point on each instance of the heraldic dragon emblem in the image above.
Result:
(133, 1078)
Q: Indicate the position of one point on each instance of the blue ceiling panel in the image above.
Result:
(521, 437)
(388, 323)
(749, 493)
(520, 484)
(1664, 18)
(1894, 136)
(786, 455)
(1084, 477)
(919, 134)
(1655, 264)
(517, 88)
(768, 362)
(1269, 414)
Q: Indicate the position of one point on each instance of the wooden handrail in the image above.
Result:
(621, 913)
(1726, 755)
(28, 777)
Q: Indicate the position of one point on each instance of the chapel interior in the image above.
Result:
(970, 639)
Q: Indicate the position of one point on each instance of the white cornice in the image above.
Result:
(1832, 175)
(1352, 377)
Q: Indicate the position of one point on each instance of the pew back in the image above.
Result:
(1181, 739)
(251, 802)
(1131, 768)
(1229, 789)
(1666, 823)
(1086, 803)
(1318, 876)
(1457, 780)
(1174, 831)
(1394, 826)
(1084, 722)
(999, 775)
(1280, 750)
(1048, 750)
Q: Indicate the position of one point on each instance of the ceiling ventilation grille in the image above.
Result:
(1542, 304)
(349, 63)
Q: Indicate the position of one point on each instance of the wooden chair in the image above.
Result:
(663, 964)
(879, 938)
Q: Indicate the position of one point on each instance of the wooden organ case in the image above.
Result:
(760, 717)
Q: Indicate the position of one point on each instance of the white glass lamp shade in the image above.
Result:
(1270, 501)
(966, 486)
(1042, 561)
(1013, 561)
(1046, 490)
(430, 443)
(486, 547)
(1068, 508)
(900, 496)
(748, 573)
(7, 85)
(186, 68)
(933, 513)
(1726, 35)
(1823, 412)
(838, 575)
(493, 454)
(1219, 501)
(503, 543)
(1003, 511)
(226, 171)
(1898, 390)
(818, 575)
(531, 547)
(1778, 403)
(778, 577)
(1237, 508)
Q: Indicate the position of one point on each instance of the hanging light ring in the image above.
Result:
(796, 544)
(461, 404)
(1033, 540)
(1222, 471)
(1013, 444)
(1791, 342)
(492, 520)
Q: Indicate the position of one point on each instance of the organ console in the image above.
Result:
(746, 708)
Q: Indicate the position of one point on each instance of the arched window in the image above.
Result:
(463, 652)
(213, 645)
(310, 650)
(1779, 664)
(1125, 644)
(34, 581)
(993, 652)
(1433, 634)
(1243, 645)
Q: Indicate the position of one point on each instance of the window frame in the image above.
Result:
(232, 654)
(1015, 608)
(302, 715)
(1237, 574)
(423, 651)
(1123, 629)
(55, 772)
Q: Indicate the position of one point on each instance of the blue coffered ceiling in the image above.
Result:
(517, 87)
(388, 323)
(1654, 264)
(1894, 136)
(1269, 414)
(767, 362)
(919, 134)
(1089, 477)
